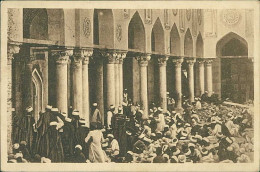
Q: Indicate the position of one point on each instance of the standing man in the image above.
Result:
(96, 116)
(27, 132)
(110, 114)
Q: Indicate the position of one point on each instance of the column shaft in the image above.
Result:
(209, 76)
(61, 77)
(191, 79)
(99, 91)
(178, 81)
(201, 77)
(117, 84)
(162, 82)
(85, 86)
(143, 62)
(110, 78)
(77, 84)
(12, 49)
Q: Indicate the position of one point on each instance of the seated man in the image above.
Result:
(113, 146)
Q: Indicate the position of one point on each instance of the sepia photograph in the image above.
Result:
(95, 82)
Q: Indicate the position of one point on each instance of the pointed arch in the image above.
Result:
(103, 27)
(38, 94)
(188, 44)
(175, 43)
(35, 23)
(157, 35)
(232, 45)
(199, 46)
(136, 33)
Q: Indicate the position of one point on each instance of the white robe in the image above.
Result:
(160, 122)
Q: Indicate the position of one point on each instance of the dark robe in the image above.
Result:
(67, 140)
(27, 131)
(138, 117)
(139, 147)
(159, 159)
(119, 132)
(25, 152)
(56, 150)
(96, 117)
(42, 142)
(79, 157)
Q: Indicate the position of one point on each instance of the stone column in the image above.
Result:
(116, 81)
(110, 78)
(99, 83)
(87, 53)
(208, 63)
(201, 76)
(12, 49)
(162, 61)
(191, 78)
(121, 79)
(143, 63)
(62, 58)
(77, 81)
(177, 63)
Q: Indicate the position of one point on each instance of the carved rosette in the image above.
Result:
(143, 59)
(162, 60)
(12, 49)
(208, 62)
(62, 57)
(191, 62)
(177, 62)
(111, 56)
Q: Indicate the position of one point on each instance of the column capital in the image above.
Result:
(121, 56)
(191, 61)
(208, 62)
(177, 62)
(62, 56)
(200, 60)
(111, 56)
(12, 48)
(143, 59)
(86, 53)
(162, 60)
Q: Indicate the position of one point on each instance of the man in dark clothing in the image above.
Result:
(119, 130)
(25, 151)
(42, 141)
(79, 157)
(96, 118)
(205, 97)
(159, 158)
(27, 131)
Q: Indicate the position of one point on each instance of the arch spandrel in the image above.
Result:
(157, 37)
(175, 41)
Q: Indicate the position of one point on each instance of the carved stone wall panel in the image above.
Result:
(194, 23)
(87, 27)
(182, 20)
(231, 17)
(175, 12)
(210, 20)
(166, 19)
(249, 23)
(148, 16)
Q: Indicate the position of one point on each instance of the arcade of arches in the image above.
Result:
(74, 57)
